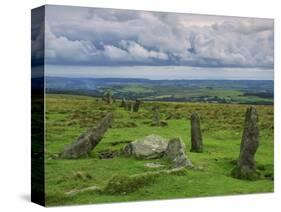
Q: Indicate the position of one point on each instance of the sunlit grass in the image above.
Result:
(68, 116)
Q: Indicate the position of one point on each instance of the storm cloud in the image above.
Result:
(108, 37)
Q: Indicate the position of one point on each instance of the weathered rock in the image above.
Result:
(152, 146)
(137, 105)
(246, 165)
(156, 116)
(156, 119)
(176, 153)
(196, 134)
(88, 140)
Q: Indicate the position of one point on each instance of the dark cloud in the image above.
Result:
(37, 36)
(83, 36)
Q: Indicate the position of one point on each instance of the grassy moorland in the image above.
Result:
(258, 92)
(67, 116)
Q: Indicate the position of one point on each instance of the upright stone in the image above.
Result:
(88, 140)
(136, 105)
(246, 165)
(176, 153)
(108, 97)
(128, 106)
(156, 121)
(131, 106)
(196, 134)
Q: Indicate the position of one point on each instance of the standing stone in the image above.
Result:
(156, 121)
(131, 106)
(136, 105)
(128, 106)
(123, 103)
(88, 140)
(196, 134)
(176, 153)
(246, 165)
(108, 97)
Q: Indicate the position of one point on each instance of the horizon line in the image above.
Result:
(135, 78)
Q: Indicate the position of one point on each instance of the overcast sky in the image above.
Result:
(89, 37)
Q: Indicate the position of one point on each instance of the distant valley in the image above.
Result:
(258, 92)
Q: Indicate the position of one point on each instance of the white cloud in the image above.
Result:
(138, 52)
(115, 53)
(106, 36)
(60, 48)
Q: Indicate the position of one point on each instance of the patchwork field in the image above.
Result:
(257, 92)
(72, 181)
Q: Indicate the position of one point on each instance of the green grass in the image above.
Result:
(68, 116)
(202, 94)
